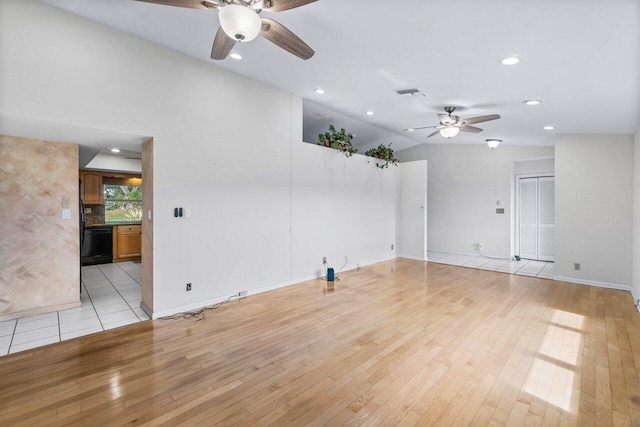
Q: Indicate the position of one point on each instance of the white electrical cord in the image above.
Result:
(494, 257)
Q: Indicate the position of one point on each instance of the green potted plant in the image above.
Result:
(339, 140)
(383, 153)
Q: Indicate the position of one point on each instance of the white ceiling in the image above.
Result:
(582, 57)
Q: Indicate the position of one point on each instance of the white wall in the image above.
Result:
(533, 166)
(226, 147)
(412, 210)
(636, 214)
(340, 207)
(465, 182)
(594, 208)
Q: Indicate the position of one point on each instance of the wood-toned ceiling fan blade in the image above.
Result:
(222, 45)
(481, 119)
(471, 129)
(434, 133)
(279, 35)
(280, 5)
(192, 4)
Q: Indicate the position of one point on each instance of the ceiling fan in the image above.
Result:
(450, 125)
(239, 22)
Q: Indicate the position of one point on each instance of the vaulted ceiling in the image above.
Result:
(580, 57)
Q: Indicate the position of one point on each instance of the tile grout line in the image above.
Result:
(116, 289)
(451, 262)
(93, 305)
(12, 336)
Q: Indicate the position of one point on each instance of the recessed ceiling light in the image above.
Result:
(533, 101)
(410, 129)
(369, 113)
(509, 60)
(549, 127)
(235, 55)
(319, 90)
(115, 150)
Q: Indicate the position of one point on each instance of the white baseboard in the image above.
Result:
(636, 300)
(200, 304)
(454, 253)
(415, 258)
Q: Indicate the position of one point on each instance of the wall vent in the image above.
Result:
(412, 92)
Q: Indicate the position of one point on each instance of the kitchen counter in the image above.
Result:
(113, 224)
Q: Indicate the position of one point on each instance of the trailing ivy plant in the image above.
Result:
(339, 140)
(383, 153)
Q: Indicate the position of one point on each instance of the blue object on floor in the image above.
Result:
(330, 274)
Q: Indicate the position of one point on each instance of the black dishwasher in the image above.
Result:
(97, 247)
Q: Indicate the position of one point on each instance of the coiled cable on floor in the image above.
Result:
(198, 314)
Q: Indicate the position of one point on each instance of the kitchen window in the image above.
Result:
(122, 203)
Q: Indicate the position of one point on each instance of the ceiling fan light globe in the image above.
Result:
(449, 132)
(493, 143)
(240, 22)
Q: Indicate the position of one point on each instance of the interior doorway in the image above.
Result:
(535, 217)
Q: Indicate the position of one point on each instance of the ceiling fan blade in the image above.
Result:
(443, 118)
(192, 4)
(423, 127)
(481, 119)
(222, 45)
(434, 133)
(279, 35)
(280, 5)
(471, 129)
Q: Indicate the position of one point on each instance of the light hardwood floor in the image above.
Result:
(401, 342)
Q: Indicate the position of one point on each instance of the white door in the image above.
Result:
(536, 218)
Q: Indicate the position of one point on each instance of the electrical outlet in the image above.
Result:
(188, 287)
(324, 259)
(242, 294)
(576, 266)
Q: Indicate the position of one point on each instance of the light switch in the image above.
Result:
(187, 213)
(66, 213)
(65, 203)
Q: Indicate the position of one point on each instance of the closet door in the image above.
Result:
(536, 218)
(546, 218)
(528, 217)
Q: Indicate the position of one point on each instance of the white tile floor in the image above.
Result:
(523, 267)
(110, 298)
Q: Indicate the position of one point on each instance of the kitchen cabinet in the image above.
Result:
(92, 191)
(127, 242)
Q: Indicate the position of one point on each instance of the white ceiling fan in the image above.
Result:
(451, 125)
(240, 22)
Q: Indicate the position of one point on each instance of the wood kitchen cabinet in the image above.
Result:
(127, 242)
(92, 191)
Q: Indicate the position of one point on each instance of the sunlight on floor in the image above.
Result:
(552, 373)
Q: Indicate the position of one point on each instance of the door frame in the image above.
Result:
(516, 209)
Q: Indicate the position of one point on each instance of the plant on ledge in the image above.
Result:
(339, 140)
(383, 153)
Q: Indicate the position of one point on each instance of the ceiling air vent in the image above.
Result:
(412, 92)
